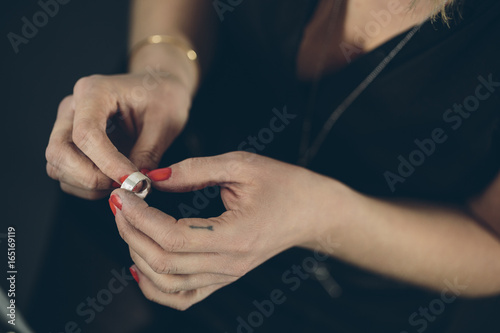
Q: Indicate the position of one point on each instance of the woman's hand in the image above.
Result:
(271, 206)
(114, 125)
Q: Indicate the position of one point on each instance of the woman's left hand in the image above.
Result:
(271, 206)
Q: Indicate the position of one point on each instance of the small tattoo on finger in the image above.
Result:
(198, 227)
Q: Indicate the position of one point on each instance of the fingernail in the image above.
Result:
(134, 274)
(116, 201)
(145, 171)
(160, 174)
(112, 206)
(123, 178)
(115, 185)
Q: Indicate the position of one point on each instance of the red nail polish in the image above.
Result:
(112, 206)
(134, 274)
(123, 178)
(115, 185)
(160, 174)
(116, 201)
(145, 171)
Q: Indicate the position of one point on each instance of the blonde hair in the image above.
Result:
(440, 7)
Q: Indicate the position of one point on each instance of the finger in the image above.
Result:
(66, 162)
(181, 300)
(94, 105)
(153, 139)
(172, 283)
(68, 165)
(197, 173)
(64, 120)
(163, 262)
(185, 235)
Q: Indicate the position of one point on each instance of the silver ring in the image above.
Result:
(135, 179)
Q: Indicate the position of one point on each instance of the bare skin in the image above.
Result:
(272, 206)
(354, 29)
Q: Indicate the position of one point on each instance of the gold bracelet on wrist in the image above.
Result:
(166, 39)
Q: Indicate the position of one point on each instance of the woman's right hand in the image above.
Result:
(150, 109)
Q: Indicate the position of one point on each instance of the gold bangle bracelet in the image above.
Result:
(165, 39)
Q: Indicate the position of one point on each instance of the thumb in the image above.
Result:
(197, 173)
(152, 142)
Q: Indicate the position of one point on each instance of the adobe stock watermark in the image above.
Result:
(223, 6)
(421, 319)
(373, 28)
(88, 309)
(11, 274)
(252, 144)
(292, 279)
(30, 26)
(453, 118)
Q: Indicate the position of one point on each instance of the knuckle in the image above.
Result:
(97, 88)
(166, 287)
(65, 103)
(90, 181)
(52, 153)
(52, 172)
(84, 134)
(138, 216)
(159, 266)
(230, 279)
(173, 242)
(169, 269)
(86, 83)
(80, 133)
(236, 164)
(57, 155)
(147, 156)
(237, 155)
(65, 188)
(133, 255)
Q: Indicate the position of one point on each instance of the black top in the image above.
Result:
(433, 113)
(444, 83)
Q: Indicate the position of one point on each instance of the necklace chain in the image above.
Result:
(308, 152)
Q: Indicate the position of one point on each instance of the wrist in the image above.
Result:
(334, 206)
(167, 58)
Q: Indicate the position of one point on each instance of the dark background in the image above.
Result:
(83, 38)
